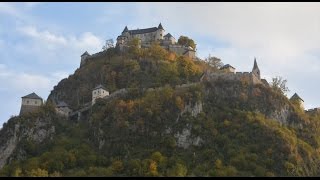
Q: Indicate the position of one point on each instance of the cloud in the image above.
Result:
(44, 36)
(13, 80)
(10, 9)
(279, 29)
(60, 75)
(30, 81)
(85, 41)
(1, 43)
(31, 5)
(17, 10)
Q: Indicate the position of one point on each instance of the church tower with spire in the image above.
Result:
(255, 69)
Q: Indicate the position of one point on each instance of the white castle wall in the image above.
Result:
(31, 102)
(99, 93)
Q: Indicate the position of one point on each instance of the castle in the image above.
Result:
(154, 34)
(146, 38)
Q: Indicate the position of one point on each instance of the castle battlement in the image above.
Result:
(229, 75)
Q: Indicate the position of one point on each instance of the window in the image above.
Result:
(94, 92)
(27, 102)
(35, 102)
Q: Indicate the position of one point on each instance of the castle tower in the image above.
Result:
(30, 103)
(297, 99)
(84, 56)
(63, 108)
(169, 39)
(228, 69)
(160, 32)
(125, 30)
(99, 92)
(256, 70)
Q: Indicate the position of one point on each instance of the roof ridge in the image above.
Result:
(32, 95)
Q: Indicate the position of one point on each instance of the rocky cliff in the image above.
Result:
(36, 128)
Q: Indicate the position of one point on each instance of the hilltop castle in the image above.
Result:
(154, 34)
(146, 38)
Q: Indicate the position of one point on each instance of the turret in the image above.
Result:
(160, 26)
(169, 38)
(84, 56)
(160, 32)
(99, 92)
(297, 99)
(228, 68)
(30, 103)
(63, 108)
(255, 69)
(125, 30)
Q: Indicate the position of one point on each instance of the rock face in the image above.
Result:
(185, 139)
(256, 98)
(17, 129)
(281, 115)
(193, 109)
(9, 146)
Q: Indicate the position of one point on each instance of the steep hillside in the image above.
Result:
(154, 67)
(168, 124)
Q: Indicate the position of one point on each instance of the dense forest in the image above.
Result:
(162, 128)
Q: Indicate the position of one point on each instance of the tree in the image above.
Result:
(109, 44)
(214, 62)
(185, 41)
(157, 52)
(38, 173)
(279, 85)
(178, 169)
(134, 47)
(117, 166)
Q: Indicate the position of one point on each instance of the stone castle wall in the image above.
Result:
(28, 108)
(238, 76)
(90, 57)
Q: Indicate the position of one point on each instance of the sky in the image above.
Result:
(41, 43)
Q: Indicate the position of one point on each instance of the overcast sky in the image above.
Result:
(41, 43)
